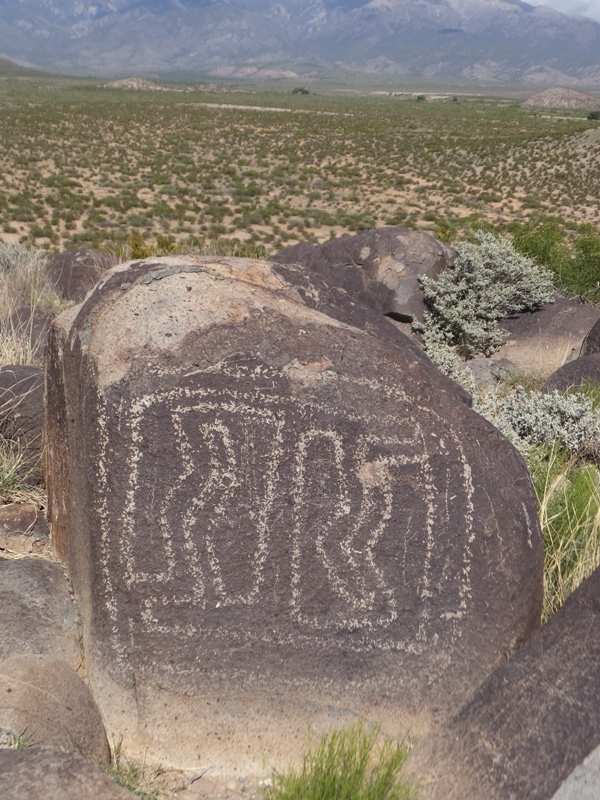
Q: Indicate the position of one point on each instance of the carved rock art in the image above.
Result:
(275, 511)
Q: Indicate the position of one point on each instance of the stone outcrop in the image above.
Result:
(43, 699)
(74, 272)
(380, 267)
(575, 373)
(591, 343)
(48, 772)
(531, 723)
(275, 512)
(38, 615)
(544, 340)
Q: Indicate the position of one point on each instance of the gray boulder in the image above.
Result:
(544, 340)
(48, 773)
(575, 374)
(380, 267)
(74, 272)
(591, 343)
(275, 512)
(45, 700)
(531, 723)
(38, 614)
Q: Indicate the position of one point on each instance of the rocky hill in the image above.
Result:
(484, 40)
(567, 99)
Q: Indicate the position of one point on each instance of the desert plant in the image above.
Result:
(16, 473)
(568, 491)
(356, 763)
(529, 418)
(134, 777)
(488, 282)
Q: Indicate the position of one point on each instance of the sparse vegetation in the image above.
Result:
(136, 778)
(357, 763)
(85, 164)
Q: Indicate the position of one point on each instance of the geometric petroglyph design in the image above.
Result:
(241, 502)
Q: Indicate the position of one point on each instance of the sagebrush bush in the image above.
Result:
(530, 418)
(489, 281)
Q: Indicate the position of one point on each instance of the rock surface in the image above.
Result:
(575, 373)
(531, 723)
(380, 267)
(584, 782)
(38, 615)
(591, 343)
(75, 272)
(45, 698)
(275, 512)
(23, 529)
(47, 773)
(544, 340)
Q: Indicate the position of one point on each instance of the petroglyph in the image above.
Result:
(242, 495)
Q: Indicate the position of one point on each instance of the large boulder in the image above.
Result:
(591, 343)
(38, 614)
(531, 723)
(546, 339)
(74, 272)
(275, 512)
(43, 699)
(381, 267)
(33, 773)
(575, 374)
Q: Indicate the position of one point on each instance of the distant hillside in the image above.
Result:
(568, 99)
(467, 40)
(10, 69)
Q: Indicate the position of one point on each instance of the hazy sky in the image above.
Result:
(591, 8)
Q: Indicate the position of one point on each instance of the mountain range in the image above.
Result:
(487, 41)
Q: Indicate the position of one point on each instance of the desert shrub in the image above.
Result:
(530, 418)
(16, 472)
(489, 281)
(350, 764)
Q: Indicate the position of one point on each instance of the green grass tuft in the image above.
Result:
(352, 764)
(568, 491)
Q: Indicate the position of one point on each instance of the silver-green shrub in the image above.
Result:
(530, 418)
(489, 281)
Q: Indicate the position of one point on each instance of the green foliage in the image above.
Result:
(351, 764)
(489, 281)
(573, 259)
(568, 492)
(594, 115)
